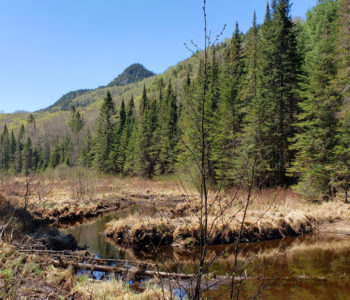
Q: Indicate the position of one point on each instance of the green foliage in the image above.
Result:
(145, 148)
(133, 73)
(227, 119)
(273, 106)
(277, 98)
(317, 122)
(76, 121)
(65, 102)
(105, 134)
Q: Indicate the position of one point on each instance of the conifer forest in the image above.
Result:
(277, 94)
(227, 176)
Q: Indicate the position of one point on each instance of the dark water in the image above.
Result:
(307, 267)
(88, 234)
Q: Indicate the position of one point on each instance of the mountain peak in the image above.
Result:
(133, 73)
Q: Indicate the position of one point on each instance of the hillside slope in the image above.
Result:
(133, 73)
(89, 101)
(65, 101)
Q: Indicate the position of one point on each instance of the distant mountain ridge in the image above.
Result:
(133, 73)
(64, 103)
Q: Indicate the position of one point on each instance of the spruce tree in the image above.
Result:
(55, 156)
(27, 156)
(5, 149)
(340, 168)
(189, 127)
(12, 147)
(31, 120)
(87, 151)
(317, 122)
(166, 135)
(105, 133)
(144, 101)
(76, 121)
(272, 112)
(128, 140)
(230, 111)
(145, 150)
(116, 152)
(249, 86)
(18, 153)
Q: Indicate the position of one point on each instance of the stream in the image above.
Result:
(313, 266)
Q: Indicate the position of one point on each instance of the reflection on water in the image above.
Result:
(89, 235)
(324, 260)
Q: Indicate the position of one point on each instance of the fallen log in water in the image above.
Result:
(83, 256)
(117, 269)
(140, 270)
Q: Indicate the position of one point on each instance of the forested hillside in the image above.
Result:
(278, 100)
(64, 103)
(133, 73)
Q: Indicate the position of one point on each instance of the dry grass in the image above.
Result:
(70, 191)
(116, 290)
(138, 231)
(32, 277)
(272, 214)
(75, 188)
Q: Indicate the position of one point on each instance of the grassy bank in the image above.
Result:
(272, 214)
(67, 194)
(33, 277)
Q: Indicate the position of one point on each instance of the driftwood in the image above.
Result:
(84, 261)
(85, 257)
(116, 269)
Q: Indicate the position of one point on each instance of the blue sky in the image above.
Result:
(50, 47)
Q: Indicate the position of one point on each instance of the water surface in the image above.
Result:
(307, 267)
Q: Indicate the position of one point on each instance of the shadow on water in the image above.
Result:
(306, 267)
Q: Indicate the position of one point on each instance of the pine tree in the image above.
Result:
(105, 133)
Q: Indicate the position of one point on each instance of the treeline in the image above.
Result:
(276, 103)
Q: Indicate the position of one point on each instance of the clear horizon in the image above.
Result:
(49, 49)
